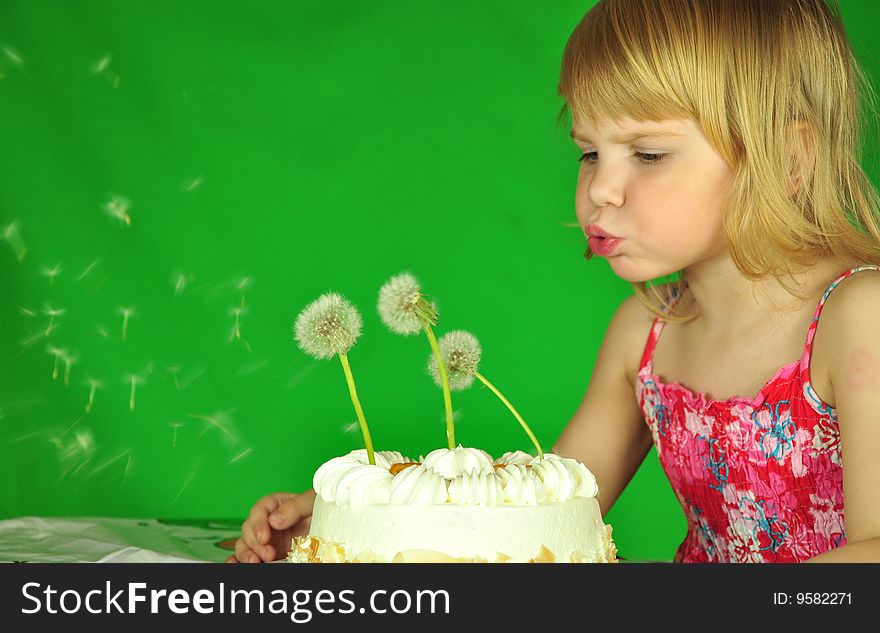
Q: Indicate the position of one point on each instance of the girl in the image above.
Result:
(719, 144)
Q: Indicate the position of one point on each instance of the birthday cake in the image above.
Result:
(454, 505)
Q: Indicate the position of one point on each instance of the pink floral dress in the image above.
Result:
(760, 479)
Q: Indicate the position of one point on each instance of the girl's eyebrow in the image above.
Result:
(628, 138)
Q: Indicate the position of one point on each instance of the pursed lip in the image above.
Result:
(593, 230)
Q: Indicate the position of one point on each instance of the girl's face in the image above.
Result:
(659, 187)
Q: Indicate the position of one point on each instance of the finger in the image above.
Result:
(249, 537)
(286, 515)
(231, 559)
(244, 553)
(260, 512)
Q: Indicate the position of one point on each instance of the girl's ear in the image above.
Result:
(802, 156)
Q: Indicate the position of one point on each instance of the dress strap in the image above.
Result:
(811, 333)
(657, 328)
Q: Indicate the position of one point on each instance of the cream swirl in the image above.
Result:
(458, 461)
(364, 485)
(476, 488)
(520, 485)
(418, 485)
(515, 457)
(329, 478)
(564, 477)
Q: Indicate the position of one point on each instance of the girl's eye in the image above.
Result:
(643, 157)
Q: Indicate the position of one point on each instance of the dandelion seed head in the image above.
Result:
(328, 326)
(461, 354)
(136, 379)
(402, 306)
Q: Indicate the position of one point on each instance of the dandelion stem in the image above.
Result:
(444, 379)
(357, 407)
(133, 387)
(513, 411)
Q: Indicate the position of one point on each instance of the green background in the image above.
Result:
(271, 152)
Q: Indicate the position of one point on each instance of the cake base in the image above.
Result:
(566, 532)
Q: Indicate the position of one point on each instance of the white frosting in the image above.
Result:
(458, 503)
(571, 531)
(417, 485)
(458, 461)
(515, 457)
(460, 476)
(476, 488)
(520, 487)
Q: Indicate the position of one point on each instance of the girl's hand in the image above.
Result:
(273, 522)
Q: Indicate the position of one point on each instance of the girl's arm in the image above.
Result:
(851, 325)
(607, 432)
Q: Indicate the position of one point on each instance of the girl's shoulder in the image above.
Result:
(853, 305)
(631, 326)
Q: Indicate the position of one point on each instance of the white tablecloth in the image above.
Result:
(111, 540)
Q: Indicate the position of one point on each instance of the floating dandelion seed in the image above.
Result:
(192, 183)
(117, 208)
(243, 285)
(30, 342)
(75, 422)
(13, 56)
(135, 380)
(127, 313)
(174, 371)
(241, 455)
(102, 331)
(88, 270)
(93, 385)
(102, 64)
(51, 273)
(219, 420)
(126, 471)
(236, 328)
(69, 360)
(405, 310)
(27, 312)
(12, 236)
(102, 67)
(175, 426)
(181, 281)
(191, 377)
(328, 327)
(74, 453)
(57, 352)
(461, 351)
(52, 313)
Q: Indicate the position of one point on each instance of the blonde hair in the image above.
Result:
(752, 73)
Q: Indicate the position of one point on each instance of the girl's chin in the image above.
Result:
(627, 270)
